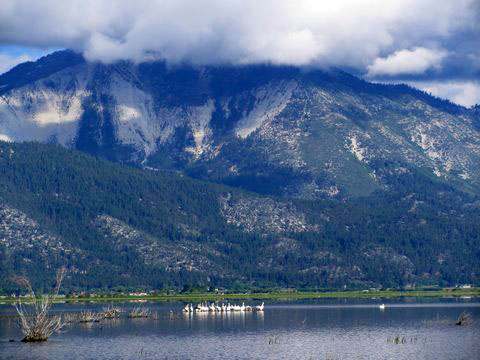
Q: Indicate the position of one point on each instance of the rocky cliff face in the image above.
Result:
(274, 130)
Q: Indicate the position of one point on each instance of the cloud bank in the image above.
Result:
(466, 93)
(416, 61)
(378, 38)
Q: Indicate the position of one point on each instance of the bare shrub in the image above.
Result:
(139, 312)
(111, 312)
(34, 320)
(89, 316)
(70, 318)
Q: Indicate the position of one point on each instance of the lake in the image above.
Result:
(408, 328)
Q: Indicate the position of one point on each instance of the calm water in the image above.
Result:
(327, 329)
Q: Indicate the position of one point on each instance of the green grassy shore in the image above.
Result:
(294, 295)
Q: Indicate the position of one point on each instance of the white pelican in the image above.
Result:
(201, 308)
(186, 308)
(382, 307)
(260, 307)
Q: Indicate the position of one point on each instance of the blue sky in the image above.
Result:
(433, 45)
(11, 55)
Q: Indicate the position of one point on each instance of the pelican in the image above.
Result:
(242, 308)
(201, 308)
(260, 307)
(223, 308)
(211, 307)
(186, 308)
(382, 307)
(248, 308)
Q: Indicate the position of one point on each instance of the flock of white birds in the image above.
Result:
(206, 307)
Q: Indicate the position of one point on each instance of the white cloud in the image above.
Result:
(7, 62)
(300, 32)
(466, 93)
(404, 62)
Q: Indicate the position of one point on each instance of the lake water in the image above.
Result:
(323, 329)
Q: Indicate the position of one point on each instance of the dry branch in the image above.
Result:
(34, 320)
(139, 312)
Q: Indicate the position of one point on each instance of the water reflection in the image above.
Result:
(303, 330)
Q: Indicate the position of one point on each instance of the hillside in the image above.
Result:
(272, 130)
(115, 226)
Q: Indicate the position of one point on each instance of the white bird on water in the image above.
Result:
(382, 307)
(212, 307)
(201, 308)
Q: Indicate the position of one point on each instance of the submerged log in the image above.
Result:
(463, 319)
(35, 338)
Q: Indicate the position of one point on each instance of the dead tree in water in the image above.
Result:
(89, 317)
(464, 319)
(111, 312)
(139, 312)
(34, 321)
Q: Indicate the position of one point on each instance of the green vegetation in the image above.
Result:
(181, 240)
(295, 295)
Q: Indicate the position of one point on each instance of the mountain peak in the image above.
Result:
(279, 130)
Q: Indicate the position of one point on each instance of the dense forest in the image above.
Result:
(119, 227)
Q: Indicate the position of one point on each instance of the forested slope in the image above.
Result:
(117, 226)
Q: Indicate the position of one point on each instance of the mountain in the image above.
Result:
(243, 177)
(116, 227)
(272, 130)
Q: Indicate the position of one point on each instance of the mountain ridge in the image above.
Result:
(244, 177)
(322, 133)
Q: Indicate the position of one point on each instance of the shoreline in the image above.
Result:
(268, 296)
